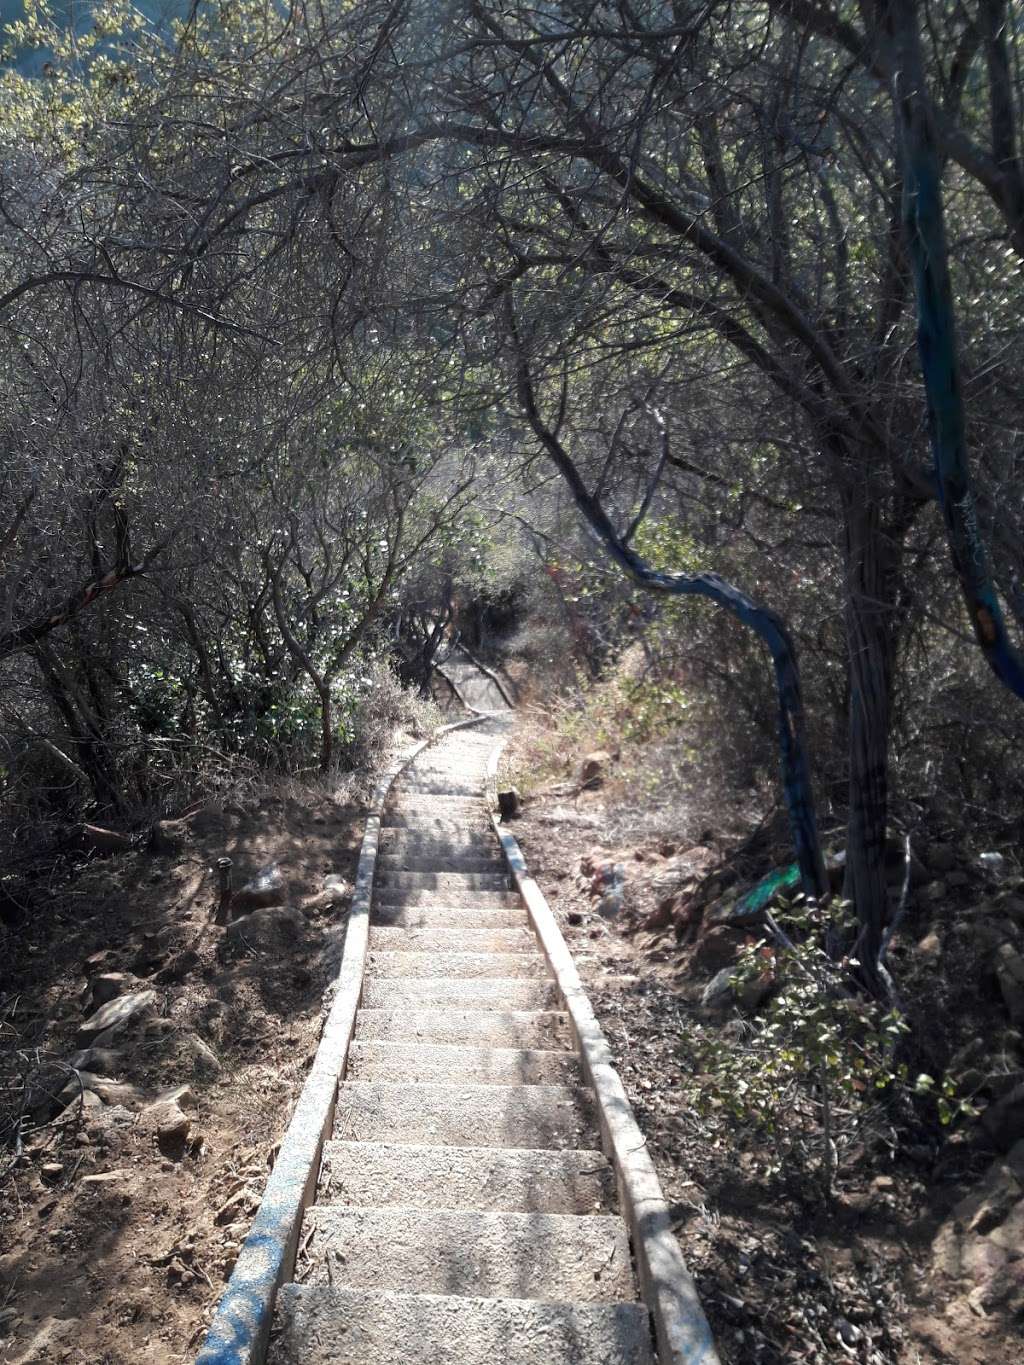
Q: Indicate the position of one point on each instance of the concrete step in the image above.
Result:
(510, 1179)
(447, 917)
(475, 1028)
(433, 803)
(324, 1326)
(464, 1252)
(439, 826)
(422, 844)
(495, 993)
(441, 785)
(468, 940)
(449, 1064)
(457, 966)
(389, 879)
(448, 1115)
(483, 900)
(467, 861)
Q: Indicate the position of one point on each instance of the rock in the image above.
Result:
(750, 991)
(97, 962)
(1004, 1120)
(266, 889)
(100, 1061)
(104, 1178)
(592, 769)
(167, 838)
(108, 986)
(718, 993)
(169, 1123)
(993, 865)
(716, 948)
(110, 1092)
(116, 1013)
(106, 842)
(206, 1060)
(930, 946)
(662, 915)
(88, 1099)
(51, 1171)
(509, 803)
(1010, 974)
(264, 928)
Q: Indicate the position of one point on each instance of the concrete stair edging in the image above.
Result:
(682, 1333)
(240, 1328)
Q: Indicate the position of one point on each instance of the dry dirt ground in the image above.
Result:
(115, 1238)
(784, 1277)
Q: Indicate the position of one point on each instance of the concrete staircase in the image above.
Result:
(465, 1214)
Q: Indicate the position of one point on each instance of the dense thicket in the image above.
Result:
(306, 308)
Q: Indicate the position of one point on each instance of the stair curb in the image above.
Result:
(681, 1329)
(240, 1329)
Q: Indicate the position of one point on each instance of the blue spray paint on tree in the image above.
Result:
(796, 769)
(925, 235)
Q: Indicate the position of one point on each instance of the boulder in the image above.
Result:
(266, 889)
(593, 768)
(113, 1016)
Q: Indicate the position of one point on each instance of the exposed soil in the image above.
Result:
(784, 1276)
(111, 1249)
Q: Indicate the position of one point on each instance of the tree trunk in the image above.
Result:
(869, 563)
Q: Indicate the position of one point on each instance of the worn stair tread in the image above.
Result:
(514, 1179)
(447, 895)
(498, 993)
(387, 964)
(398, 879)
(497, 1028)
(466, 939)
(430, 1114)
(453, 1064)
(324, 1326)
(447, 917)
(438, 824)
(422, 842)
(467, 1252)
(442, 864)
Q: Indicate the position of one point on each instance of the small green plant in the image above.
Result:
(820, 1067)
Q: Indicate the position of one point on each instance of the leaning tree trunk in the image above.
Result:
(925, 235)
(869, 617)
